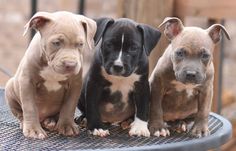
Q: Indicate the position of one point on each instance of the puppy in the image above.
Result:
(182, 81)
(116, 87)
(45, 89)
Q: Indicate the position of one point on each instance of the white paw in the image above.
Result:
(34, 131)
(184, 127)
(100, 132)
(163, 132)
(139, 128)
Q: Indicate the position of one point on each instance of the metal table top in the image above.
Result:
(11, 137)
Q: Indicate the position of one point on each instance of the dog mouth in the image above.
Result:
(192, 82)
(117, 71)
(189, 80)
(111, 71)
(64, 70)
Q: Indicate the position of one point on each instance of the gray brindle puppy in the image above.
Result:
(182, 81)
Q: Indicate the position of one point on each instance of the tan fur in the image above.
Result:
(109, 107)
(42, 88)
(188, 88)
(124, 85)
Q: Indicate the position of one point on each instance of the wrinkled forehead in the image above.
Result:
(70, 28)
(193, 38)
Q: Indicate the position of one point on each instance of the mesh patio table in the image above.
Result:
(11, 137)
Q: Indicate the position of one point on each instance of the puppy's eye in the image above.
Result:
(56, 43)
(134, 48)
(180, 54)
(109, 45)
(79, 45)
(205, 56)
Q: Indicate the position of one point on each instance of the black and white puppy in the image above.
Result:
(116, 87)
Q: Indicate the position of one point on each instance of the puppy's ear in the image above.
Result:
(215, 32)
(173, 26)
(90, 28)
(150, 37)
(38, 21)
(102, 24)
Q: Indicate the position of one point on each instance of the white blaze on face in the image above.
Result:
(52, 79)
(118, 61)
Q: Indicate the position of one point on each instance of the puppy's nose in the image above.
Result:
(69, 65)
(191, 75)
(118, 68)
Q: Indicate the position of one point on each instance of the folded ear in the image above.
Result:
(215, 30)
(173, 26)
(90, 28)
(150, 37)
(38, 21)
(102, 24)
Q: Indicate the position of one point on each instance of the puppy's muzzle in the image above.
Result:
(118, 67)
(191, 76)
(69, 65)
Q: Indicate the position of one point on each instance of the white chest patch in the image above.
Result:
(52, 79)
(188, 88)
(189, 92)
(122, 84)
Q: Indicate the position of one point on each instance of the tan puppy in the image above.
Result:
(182, 81)
(47, 84)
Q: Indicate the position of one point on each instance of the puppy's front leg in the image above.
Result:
(141, 97)
(200, 127)
(66, 125)
(156, 123)
(31, 124)
(93, 95)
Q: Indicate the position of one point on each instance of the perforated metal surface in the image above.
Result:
(11, 138)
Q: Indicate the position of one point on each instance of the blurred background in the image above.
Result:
(14, 14)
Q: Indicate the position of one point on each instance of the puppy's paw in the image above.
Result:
(81, 121)
(162, 132)
(183, 127)
(159, 130)
(34, 131)
(67, 129)
(139, 128)
(200, 130)
(179, 127)
(100, 132)
(126, 124)
(49, 124)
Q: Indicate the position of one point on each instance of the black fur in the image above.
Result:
(96, 90)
